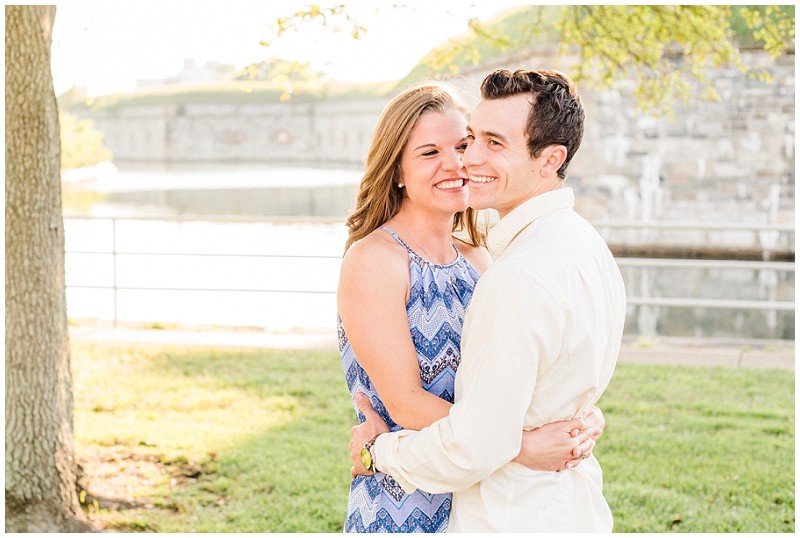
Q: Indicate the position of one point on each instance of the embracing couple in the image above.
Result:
(504, 445)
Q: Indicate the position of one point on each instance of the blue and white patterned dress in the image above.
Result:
(436, 306)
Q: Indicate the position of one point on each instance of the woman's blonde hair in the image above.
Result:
(379, 198)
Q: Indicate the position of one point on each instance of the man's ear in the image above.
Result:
(553, 157)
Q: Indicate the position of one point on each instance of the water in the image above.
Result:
(710, 283)
(205, 273)
(188, 266)
(214, 177)
(223, 273)
(144, 177)
(246, 189)
(282, 276)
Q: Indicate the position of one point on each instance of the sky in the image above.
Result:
(106, 47)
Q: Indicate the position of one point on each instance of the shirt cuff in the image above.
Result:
(384, 450)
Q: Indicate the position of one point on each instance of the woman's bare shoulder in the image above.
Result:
(378, 250)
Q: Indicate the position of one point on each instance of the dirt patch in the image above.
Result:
(116, 478)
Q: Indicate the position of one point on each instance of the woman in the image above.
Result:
(404, 288)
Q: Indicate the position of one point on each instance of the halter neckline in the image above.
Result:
(421, 257)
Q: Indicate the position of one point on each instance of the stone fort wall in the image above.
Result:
(724, 159)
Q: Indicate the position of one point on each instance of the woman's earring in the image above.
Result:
(401, 185)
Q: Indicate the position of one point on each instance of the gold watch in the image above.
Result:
(367, 459)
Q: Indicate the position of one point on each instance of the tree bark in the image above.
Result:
(40, 468)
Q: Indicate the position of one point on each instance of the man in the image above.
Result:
(542, 333)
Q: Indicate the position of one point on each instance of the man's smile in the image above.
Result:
(482, 179)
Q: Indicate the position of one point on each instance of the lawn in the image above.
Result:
(180, 439)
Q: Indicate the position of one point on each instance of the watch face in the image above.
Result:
(366, 459)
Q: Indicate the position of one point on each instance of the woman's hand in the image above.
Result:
(561, 445)
(361, 434)
(595, 417)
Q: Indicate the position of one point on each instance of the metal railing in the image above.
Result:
(696, 225)
(690, 302)
(770, 240)
(672, 302)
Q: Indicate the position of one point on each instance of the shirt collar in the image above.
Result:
(504, 232)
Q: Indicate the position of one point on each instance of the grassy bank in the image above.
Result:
(197, 440)
(231, 92)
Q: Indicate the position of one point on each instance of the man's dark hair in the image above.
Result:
(556, 115)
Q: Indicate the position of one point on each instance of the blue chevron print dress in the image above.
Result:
(436, 306)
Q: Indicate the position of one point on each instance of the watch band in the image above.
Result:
(371, 442)
(367, 456)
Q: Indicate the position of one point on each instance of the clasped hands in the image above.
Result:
(551, 447)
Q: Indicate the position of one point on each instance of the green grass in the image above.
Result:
(688, 449)
(269, 430)
(693, 449)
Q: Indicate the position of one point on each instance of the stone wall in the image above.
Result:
(326, 132)
(720, 160)
(727, 160)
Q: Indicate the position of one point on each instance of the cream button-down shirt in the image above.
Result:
(540, 342)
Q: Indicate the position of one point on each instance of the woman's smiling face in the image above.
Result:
(432, 169)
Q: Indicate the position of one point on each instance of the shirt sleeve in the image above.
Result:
(513, 326)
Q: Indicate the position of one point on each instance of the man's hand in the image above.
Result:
(361, 434)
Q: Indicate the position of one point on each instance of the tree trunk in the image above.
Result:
(40, 468)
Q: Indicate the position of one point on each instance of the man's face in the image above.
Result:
(502, 172)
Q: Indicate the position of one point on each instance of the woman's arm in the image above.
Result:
(373, 290)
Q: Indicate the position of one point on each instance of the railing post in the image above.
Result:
(114, 265)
